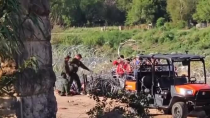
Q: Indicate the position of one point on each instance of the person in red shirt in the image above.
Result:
(120, 66)
(115, 62)
(127, 67)
(120, 69)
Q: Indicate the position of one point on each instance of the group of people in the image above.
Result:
(123, 67)
(130, 66)
(69, 74)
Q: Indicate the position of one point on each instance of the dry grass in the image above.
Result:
(8, 67)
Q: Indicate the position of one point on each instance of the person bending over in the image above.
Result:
(74, 65)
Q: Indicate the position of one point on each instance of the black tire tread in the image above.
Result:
(184, 108)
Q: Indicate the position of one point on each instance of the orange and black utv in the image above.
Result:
(170, 91)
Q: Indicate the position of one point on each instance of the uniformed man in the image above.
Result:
(62, 85)
(74, 65)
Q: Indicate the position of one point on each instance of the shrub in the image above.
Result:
(168, 26)
(168, 36)
(160, 22)
(127, 51)
(180, 24)
(72, 40)
(111, 92)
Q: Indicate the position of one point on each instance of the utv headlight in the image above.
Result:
(185, 91)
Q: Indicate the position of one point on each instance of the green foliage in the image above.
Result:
(160, 6)
(112, 93)
(165, 39)
(127, 51)
(128, 12)
(85, 12)
(124, 5)
(181, 9)
(202, 11)
(66, 12)
(93, 38)
(137, 102)
(72, 40)
(32, 63)
(160, 22)
(181, 24)
(10, 24)
(141, 11)
(93, 10)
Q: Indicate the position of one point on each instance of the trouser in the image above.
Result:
(75, 77)
(122, 79)
(135, 72)
(62, 85)
(65, 89)
(122, 82)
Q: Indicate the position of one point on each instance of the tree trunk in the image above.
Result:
(35, 94)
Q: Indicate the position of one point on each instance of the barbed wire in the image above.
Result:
(92, 61)
(99, 63)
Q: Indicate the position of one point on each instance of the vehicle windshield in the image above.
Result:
(196, 73)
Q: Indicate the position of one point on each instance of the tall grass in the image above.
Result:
(161, 39)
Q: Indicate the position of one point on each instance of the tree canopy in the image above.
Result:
(181, 10)
(141, 11)
(203, 11)
(131, 12)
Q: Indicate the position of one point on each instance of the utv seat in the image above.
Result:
(147, 82)
(180, 80)
(165, 82)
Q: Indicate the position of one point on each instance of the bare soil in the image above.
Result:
(77, 106)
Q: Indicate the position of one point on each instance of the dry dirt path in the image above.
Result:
(77, 106)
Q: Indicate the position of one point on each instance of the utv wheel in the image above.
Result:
(179, 110)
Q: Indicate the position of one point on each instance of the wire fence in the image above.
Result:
(100, 64)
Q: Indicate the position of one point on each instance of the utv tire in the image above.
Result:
(179, 110)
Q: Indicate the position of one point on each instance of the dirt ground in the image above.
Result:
(77, 106)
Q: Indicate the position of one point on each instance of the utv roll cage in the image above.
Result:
(171, 59)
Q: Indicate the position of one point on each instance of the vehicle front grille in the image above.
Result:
(203, 95)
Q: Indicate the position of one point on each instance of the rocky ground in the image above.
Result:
(77, 106)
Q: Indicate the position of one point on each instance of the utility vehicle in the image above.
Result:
(171, 91)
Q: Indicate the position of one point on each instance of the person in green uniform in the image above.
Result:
(62, 85)
(74, 65)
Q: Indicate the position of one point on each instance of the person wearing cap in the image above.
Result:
(65, 76)
(65, 64)
(74, 65)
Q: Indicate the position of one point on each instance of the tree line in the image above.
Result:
(128, 12)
